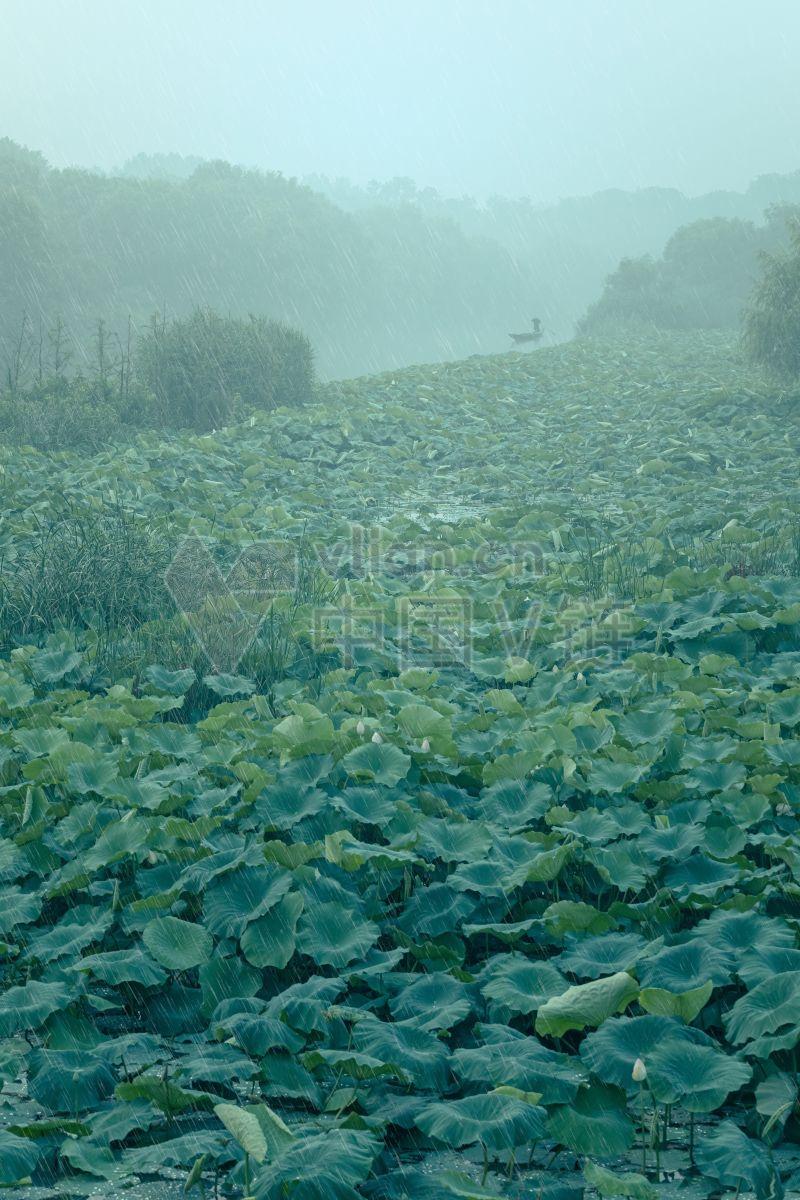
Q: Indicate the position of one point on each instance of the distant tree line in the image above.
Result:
(703, 279)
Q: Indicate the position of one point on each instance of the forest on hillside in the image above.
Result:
(375, 277)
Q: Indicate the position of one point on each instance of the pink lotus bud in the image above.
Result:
(361, 729)
(376, 737)
(425, 746)
(639, 1072)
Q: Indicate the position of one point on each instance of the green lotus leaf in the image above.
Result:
(612, 1050)
(595, 1123)
(245, 1128)
(69, 1081)
(432, 1002)
(18, 1158)
(175, 683)
(732, 1158)
(237, 897)
(177, 945)
(586, 1005)
(384, 763)
(496, 1121)
(329, 1164)
(229, 685)
(333, 935)
(685, 1005)
(422, 1055)
(700, 1078)
(509, 1059)
(521, 985)
(769, 1007)
(594, 957)
(29, 1006)
(115, 967)
(270, 941)
(610, 1183)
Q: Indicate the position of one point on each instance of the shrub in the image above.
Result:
(99, 571)
(772, 322)
(205, 370)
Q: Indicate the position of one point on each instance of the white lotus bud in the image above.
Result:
(425, 746)
(581, 678)
(376, 737)
(639, 1072)
(555, 668)
(361, 729)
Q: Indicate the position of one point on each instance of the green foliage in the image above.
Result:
(236, 930)
(702, 280)
(772, 324)
(205, 370)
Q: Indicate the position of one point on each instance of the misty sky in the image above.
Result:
(538, 97)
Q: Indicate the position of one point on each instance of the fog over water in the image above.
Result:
(520, 97)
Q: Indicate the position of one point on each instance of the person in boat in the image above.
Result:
(534, 335)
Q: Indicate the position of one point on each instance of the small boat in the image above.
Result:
(521, 339)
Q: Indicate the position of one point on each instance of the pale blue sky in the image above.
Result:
(538, 97)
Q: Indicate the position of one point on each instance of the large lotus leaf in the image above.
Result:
(18, 1158)
(29, 1006)
(700, 875)
(595, 1123)
(225, 978)
(741, 932)
(496, 1121)
(76, 930)
(384, 763)
(180, 1151)
(303, 1005)
(352, 1063)
(609, 1183)
(594, 957)
(237, 897)
(674, 843)
(245, 1128)
(586, 1005)
(323, 1166)
(366, 805)
(611, 1051)
(700, 1078)
(422, 1055)
(270, 941)
(433, 1002)
(175, 683)
(18, 908)
(512, 804)
(177, 945)
(686, 1005)
(689, 965)
(69, 1081)
(334, 935)
(513, 1060)
(607, 776)
(647, 725)
(454, 841)
(520, 984)
(758, 964)
(770, 1006)
(435, 910)
(731, 1157)
(283, 804)
(123, 966)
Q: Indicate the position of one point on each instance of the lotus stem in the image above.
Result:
(485, 1163)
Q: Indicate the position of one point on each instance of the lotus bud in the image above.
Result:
(639, 1072)
(555, 668)
(376, 737)
(426, 746)
(581, 678)
(361, 729)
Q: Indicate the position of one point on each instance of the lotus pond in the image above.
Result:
(493, 888)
